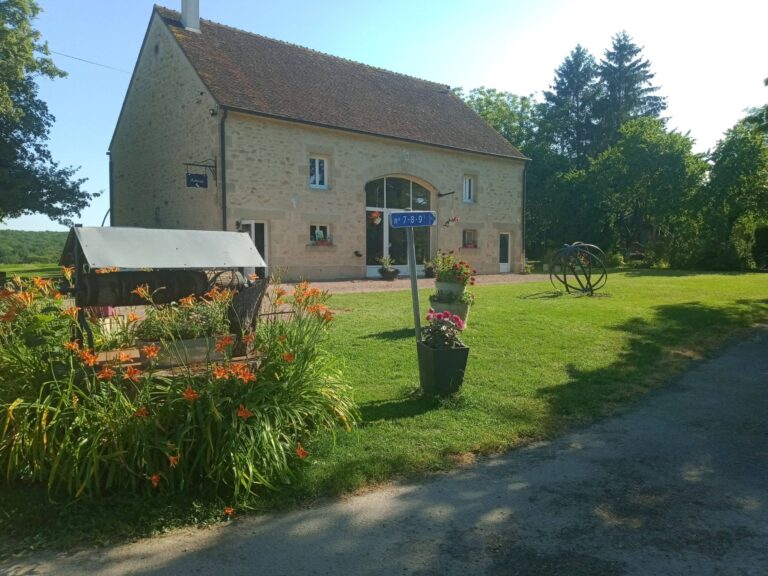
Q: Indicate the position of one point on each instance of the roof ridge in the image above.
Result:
(313, 51)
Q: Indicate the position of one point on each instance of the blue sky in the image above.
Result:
(709, 57)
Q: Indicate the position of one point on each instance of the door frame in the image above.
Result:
(505, 267)
(251, 229)
(372, 271)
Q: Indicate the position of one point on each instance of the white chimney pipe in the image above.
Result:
(190, 15)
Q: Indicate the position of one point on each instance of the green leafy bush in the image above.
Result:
(190, 318)
(91, 428)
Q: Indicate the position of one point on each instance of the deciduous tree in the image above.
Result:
(30, 180)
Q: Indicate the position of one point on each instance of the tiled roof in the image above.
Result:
(255, 74)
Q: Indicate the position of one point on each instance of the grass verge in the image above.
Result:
(539, 364)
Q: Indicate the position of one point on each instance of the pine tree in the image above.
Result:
(626, 90)
(568, 116)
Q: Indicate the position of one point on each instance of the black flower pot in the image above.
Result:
(389, 274)
(441, 370)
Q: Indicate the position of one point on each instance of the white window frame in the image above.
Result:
(469, 185)
(315, 160)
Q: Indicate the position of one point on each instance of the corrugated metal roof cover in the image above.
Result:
(134, 248)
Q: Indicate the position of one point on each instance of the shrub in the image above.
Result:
(233, 426)
(190, 318)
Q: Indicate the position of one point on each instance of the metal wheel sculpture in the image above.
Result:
(578, 267)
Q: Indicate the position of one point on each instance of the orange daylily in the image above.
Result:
(151, 350)
(68, 271)
(88, 357)
(300, 451)
(223, 342)
(188, 301)
(133, 317)
(189, 394)
(173, 461)
(248, 338)
(220, 372)
(72, 312)
(242, 372)
(106, 373)
(72, 345)
(289, 357)
(244, 413)
(142, 291)
(155, 478)
(229, 511)
(141, 412)
(123, 357)
(132, 374)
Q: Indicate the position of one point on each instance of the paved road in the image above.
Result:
(677, 485)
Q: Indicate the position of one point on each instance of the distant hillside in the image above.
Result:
(20, 247)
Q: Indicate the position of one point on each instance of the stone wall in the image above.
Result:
(166, 121)
(268, 181)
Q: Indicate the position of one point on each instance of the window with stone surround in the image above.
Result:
(320, 234)
(469, 239)
(318, 172)
(469, 189)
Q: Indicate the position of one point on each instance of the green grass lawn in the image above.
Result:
(539, 364)
(30, 270)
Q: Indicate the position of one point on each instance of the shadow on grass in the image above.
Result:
(415, 405)
(389, 335)
(662, 273)
(657, 351)
(546, 295)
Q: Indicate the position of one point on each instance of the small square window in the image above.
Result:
(318, 172)
(469, 239)
(469, 189)
(320, 234)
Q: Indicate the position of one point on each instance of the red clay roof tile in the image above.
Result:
(255, 74)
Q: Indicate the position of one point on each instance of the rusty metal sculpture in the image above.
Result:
(578, 267)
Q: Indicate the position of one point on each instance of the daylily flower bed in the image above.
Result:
(81, 425)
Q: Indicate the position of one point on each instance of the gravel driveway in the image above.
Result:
(675, 485)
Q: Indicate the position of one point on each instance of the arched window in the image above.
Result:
(382, 197)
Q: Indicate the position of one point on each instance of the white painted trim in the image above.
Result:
(506, 268)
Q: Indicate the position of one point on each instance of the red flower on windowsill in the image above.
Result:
(375, 217)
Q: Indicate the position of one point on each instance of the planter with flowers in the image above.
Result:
(191, 331)
(452, 277)
(387, 271)
(442, 355)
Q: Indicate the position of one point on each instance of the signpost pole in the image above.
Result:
(414, 283)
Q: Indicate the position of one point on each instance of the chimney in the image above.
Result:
(190, 15)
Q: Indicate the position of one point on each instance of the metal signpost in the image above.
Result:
(409, 221)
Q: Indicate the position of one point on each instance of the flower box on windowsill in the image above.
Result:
(322, 244)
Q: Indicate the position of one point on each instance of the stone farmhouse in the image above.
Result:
(222, 129)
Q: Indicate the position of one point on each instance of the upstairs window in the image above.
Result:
(318, 172)
(469, 189)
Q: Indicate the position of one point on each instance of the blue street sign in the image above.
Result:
(412, 219)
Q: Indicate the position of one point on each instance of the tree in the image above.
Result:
(30, 181)
(642, 186)
(758, 117)
(734, 203)
(510, 115)
(626, 91)
(568, 109)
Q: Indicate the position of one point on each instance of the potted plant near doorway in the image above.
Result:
(388, 271)
(441, 353)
